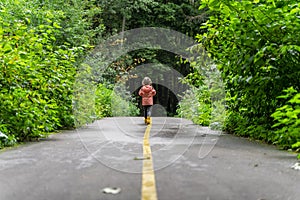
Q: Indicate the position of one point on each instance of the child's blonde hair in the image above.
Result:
(146, 81)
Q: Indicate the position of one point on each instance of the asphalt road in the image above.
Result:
(190, 162)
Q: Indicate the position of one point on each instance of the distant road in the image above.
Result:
(190, 163)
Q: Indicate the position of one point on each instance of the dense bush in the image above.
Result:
(94, 101)
(5, 140)
(196, 106)
(287, 118)
(204, 103)
(103, 101)
(40, 45)
(31, 73)
(110, 103)
(256, 46)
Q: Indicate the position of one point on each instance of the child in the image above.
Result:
(147, 92)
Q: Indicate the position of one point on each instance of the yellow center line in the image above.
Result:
(148, 178)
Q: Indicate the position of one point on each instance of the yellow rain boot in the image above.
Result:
(145, 120)
(148, 120)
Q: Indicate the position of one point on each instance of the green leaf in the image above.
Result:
(295, 99)
(7, 48)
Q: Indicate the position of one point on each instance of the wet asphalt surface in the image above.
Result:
(190, 162)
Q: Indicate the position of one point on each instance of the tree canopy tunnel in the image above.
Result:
(166, 71)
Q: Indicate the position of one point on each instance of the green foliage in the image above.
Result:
(84, 96)
(95, 101)
(196, 106)
(6, 140)
(296, 147)
(40, 43)
(256, 46)
(122, 102)
(182, 16)
(204, 104)
(110, 102)
(123, 107)
(26, 87)
(287, 119)
(103, 101)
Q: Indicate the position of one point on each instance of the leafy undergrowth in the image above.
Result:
(256, 66)
(40, 46)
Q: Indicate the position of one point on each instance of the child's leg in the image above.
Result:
(148, 120)
(145, 112)
(149, 110)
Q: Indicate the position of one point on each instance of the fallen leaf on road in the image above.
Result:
(109, 190)
(296, 166)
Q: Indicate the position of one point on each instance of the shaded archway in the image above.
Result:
(164, 97)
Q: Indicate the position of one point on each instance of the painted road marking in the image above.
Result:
(148, 177)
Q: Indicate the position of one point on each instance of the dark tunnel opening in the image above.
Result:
(164, 97)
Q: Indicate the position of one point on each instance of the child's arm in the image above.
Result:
(153, 92)
(141, 93)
